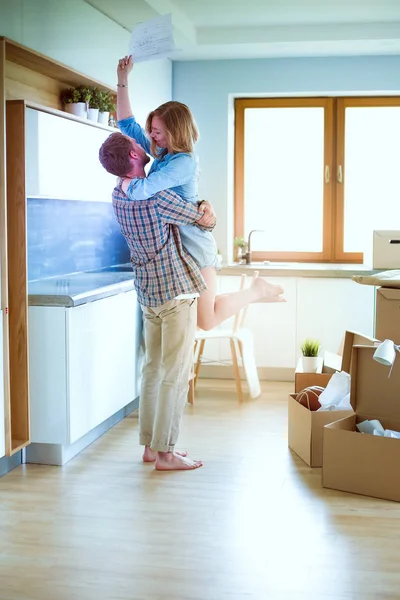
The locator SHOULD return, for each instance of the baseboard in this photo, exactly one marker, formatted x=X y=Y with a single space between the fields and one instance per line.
x=8 y=463
x=264 y=373
x=59 y=454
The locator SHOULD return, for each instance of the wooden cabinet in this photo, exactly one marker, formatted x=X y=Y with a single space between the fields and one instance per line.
x=2 y=422
x=27 y=78
x=83 y=363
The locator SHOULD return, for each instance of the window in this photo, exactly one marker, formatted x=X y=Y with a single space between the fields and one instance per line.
x=316 y=176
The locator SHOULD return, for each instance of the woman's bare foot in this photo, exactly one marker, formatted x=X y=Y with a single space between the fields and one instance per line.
x=265 y=291
x=172 y=461
x=149 y=455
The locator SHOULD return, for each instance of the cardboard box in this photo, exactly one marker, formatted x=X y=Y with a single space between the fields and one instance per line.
x=305 y=427
x=387 y=316
x=305 y=430
x=386 y=249
x=361 y=463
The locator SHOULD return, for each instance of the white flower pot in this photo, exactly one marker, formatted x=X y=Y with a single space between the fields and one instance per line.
x=103 y=117
x=311 y=364
x=78 y=109
x=93 y=114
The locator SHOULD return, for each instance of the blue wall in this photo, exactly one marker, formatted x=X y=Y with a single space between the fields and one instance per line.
x=208 y=87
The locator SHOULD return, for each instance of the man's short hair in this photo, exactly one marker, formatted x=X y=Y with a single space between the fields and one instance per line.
x=114 y=154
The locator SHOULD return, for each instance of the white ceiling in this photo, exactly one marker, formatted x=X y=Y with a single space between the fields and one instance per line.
x=215 y=29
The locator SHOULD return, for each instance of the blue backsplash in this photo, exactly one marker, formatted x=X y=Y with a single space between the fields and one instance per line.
x=68 y=236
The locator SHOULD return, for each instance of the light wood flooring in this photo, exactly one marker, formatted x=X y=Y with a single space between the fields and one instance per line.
x=253 y=523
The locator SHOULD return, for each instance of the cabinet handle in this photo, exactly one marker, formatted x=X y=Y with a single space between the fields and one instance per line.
x=327 y=174
x=339 y=174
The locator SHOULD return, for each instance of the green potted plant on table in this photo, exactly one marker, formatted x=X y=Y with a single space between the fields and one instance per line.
x=311 y=361
x=241 y=245
x=76 y=100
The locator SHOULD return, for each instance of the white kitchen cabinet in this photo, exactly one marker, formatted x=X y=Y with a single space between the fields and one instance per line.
x=82 y=364
x=55 y=169
x=273 y=326
x=101 y=367
x=316 y=307
x=327 y=307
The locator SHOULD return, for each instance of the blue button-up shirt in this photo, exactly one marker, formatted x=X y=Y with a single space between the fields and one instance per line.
x=178 y=173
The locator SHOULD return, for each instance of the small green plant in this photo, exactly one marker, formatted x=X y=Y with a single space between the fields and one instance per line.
x=106 y=102
x=310 y=347
x=70 y=95
x=240 y=242
x=80 y=93
x=95 y=99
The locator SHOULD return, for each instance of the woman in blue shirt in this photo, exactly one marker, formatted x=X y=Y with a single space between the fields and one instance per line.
x=170 y=135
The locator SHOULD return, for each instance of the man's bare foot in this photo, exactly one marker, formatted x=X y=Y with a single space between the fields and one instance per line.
x=265 y=291
x=172 y=461
x=149 y=455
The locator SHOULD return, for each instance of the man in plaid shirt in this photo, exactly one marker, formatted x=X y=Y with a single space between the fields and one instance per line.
x=168 y=282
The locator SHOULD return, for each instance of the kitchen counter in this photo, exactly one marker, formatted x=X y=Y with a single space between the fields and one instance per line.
x=298 y=269
x=79 y=288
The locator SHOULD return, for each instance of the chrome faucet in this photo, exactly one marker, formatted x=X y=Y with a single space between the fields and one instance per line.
x=247 y=256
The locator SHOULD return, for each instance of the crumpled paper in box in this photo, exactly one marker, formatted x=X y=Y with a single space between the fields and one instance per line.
x=336 y=395
x=375 y=427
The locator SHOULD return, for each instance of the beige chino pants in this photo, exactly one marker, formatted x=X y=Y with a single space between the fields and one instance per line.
x=169 y=332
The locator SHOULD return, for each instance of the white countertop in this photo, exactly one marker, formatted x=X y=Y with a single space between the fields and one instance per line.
x=78 y=288
x=293 y=269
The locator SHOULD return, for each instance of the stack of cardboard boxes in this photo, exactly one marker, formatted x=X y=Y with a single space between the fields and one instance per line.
x=362 y=463
x=306 y=427
x=352 y=461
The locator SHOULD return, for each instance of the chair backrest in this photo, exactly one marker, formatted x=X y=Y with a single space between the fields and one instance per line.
x=241 y=315
x=237 y=323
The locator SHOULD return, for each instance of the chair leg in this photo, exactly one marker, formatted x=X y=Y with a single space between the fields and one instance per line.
x=240 y=350
x=198 y=362
x=236 y=370
x=249 y=362
x=190 y=397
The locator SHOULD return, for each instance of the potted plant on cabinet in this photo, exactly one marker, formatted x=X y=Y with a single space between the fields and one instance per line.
x=106 y=105
x=76 y=100
x=94 y=105
x=310 y=359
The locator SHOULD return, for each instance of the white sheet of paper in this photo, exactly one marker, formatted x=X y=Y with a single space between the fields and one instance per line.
x=152 y=39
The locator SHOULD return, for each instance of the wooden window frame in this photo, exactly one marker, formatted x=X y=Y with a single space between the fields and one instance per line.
x=342 y=104
x=334 y=158
x=241 y=104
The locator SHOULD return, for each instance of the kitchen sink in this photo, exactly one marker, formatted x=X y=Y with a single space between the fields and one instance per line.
x=116 y=269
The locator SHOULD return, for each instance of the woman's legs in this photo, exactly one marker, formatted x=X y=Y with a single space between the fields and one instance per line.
x=213 y=309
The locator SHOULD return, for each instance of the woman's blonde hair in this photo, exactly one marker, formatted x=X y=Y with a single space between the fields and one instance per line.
x=180 y=128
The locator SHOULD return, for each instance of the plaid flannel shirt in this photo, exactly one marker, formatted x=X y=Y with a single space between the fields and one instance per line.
x=163 y=269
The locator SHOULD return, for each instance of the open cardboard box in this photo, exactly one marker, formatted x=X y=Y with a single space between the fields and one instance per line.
x=362 y=463
x=305 y=427
x=387 y=317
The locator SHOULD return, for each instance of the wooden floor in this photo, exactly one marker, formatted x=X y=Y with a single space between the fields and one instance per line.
x=254 y=522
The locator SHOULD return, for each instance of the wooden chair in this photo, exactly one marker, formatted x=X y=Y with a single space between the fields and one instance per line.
x=242 y=352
